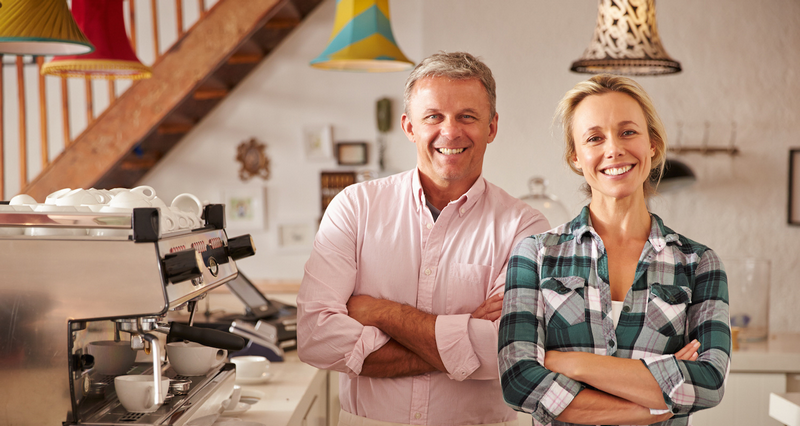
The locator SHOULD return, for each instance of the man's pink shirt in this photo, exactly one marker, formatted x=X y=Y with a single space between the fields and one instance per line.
x=378 y=238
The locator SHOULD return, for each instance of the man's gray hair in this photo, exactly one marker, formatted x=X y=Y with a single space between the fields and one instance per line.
x=455 y=66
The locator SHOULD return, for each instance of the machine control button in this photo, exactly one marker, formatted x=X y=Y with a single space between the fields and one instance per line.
x=213 y=266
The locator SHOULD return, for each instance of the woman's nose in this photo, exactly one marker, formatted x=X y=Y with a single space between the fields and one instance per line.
x=614 y=147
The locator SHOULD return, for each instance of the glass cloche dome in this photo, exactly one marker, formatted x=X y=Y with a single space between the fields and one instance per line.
x=548 y=204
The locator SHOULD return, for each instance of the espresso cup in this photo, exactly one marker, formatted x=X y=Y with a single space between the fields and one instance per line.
x=137 y=392
x=250 y=366
x=194 y=359
x=111 y=358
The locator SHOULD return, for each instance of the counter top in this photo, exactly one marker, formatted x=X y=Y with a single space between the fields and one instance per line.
x=283 y=393
x=779 y=353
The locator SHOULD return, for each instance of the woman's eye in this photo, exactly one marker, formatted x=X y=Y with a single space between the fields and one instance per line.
x=593 y=139
x=629 y=132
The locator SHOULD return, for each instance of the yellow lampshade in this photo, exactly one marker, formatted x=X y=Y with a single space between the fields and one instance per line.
x=362 y=39
x=40 y=27
x=626 y=41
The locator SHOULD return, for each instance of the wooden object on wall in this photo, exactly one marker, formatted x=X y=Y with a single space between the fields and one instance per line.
x=332 y=183
x=253 y=159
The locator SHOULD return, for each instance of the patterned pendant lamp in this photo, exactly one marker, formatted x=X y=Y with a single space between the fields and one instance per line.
x=362 y=39
x=626 y=41
x=104 y=24
x=40 y=27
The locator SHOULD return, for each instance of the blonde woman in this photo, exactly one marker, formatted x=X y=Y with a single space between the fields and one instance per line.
x=613 y=318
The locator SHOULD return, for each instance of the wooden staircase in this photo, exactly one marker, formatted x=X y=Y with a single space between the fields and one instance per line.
x=152 y=116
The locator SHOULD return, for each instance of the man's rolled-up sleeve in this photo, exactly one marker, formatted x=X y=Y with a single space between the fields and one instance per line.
x=327 y=337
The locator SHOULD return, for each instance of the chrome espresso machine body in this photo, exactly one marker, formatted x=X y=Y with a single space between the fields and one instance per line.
x=58 y=293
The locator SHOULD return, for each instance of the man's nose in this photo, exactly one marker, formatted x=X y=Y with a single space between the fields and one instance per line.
x=451 y=128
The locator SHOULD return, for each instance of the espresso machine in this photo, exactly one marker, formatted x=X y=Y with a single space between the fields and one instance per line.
x=67 y=287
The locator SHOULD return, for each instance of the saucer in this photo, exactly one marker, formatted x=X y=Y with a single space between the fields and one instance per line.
x=253 y=380
x=240 y=408
x=251 y=396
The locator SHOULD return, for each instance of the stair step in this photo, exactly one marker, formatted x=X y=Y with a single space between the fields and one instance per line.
x=281 y=23
x=245 y=58
x=174 y=128
x=203 y=94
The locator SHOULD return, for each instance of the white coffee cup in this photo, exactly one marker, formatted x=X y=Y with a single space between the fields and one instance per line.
x=168 y=219
x=194 y=359
x=79 y=197
x=111 y=358
x=127 y=199
x=188 y=203
x=250 y=366
x=54 y=196
x=137 y=392
x=22 y=199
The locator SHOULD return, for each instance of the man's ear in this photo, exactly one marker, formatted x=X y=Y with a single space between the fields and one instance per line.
x=408 y=128
x=493 y=128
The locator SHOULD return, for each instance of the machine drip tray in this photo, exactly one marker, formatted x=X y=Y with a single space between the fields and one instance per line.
x=204 y=398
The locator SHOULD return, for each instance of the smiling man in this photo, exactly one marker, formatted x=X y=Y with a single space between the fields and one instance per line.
x=403 y=289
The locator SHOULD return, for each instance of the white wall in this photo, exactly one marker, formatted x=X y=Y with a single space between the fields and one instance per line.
x=739 y=61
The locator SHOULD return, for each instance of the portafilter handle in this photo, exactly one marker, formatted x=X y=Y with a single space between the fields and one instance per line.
x=206 y=336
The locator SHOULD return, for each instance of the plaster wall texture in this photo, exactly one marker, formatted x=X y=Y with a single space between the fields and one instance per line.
x=739 y=59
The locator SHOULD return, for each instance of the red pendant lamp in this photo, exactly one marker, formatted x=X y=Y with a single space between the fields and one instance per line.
x=104 y=25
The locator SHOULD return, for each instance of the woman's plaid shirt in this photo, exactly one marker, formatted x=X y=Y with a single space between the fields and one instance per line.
x=558 y=297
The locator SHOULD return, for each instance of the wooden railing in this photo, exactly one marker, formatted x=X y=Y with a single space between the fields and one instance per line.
x=80 y=106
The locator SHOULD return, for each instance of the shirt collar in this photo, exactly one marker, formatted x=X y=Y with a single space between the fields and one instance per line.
x=659 y=236
x=466 y=201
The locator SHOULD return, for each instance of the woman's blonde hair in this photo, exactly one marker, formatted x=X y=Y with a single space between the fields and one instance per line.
x=606 y=83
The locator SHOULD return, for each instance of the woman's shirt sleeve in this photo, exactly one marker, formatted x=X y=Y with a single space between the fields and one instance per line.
x=527 y=385
x=689 y=386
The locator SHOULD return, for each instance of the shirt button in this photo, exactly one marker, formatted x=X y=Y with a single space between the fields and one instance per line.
x=462 y=210
x=417 y=416
x=427 y=271
x=626 y=309
x=430 y=226
x=611 y=343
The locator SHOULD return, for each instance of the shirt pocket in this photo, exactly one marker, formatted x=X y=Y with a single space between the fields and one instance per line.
x=564 y=299
x=666 y=309
x=467 y=287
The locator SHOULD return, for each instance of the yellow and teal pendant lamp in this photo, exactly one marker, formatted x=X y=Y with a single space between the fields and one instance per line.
x=362 y=40
x=40 y=27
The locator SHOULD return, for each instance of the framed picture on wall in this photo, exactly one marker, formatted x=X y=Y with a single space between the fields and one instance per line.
x=244 y=208
x=351 y=153
x=318 y=142
x=794 y=187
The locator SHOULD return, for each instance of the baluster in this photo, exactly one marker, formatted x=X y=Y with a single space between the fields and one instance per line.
x=179 y=16
x=154 y=10
x=89 y=102
x=201 y=5
x=112 y=92
x=2 y=145
x=23 y=141
x=43 y=112
x=65 y=111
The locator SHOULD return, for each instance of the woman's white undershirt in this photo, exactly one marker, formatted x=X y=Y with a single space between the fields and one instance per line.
x=616 y=311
